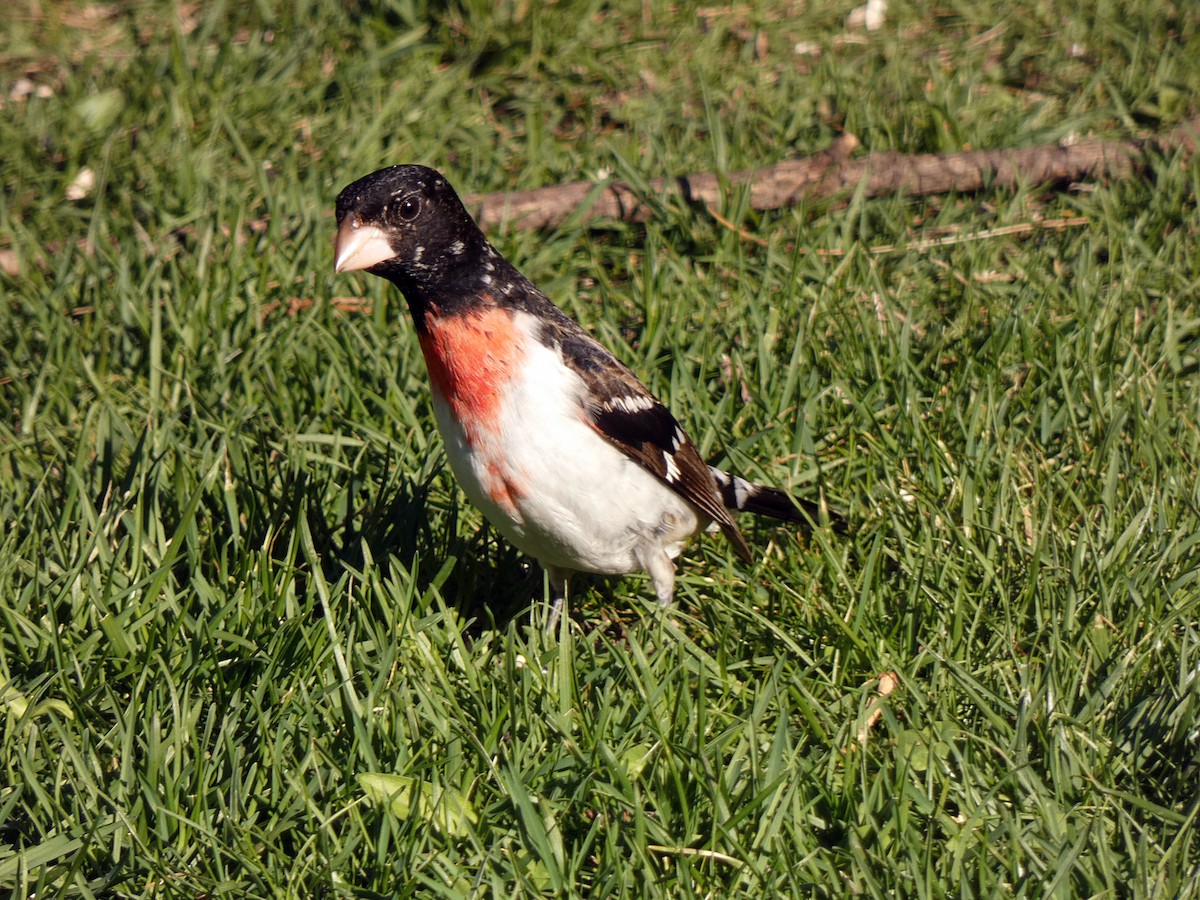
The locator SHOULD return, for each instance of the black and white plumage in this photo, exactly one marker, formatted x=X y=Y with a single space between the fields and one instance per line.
x=560 y=445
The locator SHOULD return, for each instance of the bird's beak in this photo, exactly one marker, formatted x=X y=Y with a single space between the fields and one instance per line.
x=359 y=246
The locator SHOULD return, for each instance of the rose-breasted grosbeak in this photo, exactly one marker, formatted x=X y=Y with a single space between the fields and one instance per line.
x=558 y=443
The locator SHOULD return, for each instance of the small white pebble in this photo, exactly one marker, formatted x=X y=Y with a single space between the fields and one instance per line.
x=81 y=185
x=871 y=17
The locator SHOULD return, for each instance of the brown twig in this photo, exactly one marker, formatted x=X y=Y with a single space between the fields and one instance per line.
x=833 y=173
x=740 y=232
x=949 y=239
x=296 y=305
x=888 y=681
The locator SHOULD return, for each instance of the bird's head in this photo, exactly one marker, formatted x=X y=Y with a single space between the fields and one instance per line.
x=406 y=224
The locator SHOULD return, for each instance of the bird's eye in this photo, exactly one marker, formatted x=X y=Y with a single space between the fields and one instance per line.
x=409 y=207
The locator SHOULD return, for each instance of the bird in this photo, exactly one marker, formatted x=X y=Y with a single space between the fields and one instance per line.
x=554 y=439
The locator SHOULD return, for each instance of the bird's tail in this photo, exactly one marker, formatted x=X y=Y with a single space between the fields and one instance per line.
x=746 y=496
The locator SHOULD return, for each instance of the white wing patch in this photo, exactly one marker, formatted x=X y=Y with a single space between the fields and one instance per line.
x=631 y=404
x=742 y=491
x=672 y=473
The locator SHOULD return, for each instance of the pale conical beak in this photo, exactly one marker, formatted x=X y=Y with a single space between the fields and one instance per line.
x=359 y=246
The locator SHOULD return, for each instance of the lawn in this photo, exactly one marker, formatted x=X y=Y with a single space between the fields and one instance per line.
x=254 y=642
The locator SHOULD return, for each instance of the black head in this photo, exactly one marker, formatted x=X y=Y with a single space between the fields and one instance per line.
x=406 y=224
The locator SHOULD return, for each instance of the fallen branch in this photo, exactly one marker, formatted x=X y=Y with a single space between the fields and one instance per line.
x=832 y=173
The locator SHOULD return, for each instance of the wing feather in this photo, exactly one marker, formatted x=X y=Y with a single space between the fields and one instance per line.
x=625 y=413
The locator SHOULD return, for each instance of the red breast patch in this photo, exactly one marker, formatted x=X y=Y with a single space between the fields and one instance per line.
x=471 y=358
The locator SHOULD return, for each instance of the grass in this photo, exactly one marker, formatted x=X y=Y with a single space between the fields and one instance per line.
x=253 y=642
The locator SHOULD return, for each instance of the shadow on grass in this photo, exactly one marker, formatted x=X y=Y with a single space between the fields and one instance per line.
x=1158 y=744
x=403 y=528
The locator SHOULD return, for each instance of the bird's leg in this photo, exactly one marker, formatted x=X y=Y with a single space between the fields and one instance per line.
x=661 y=570
x=558 y=590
